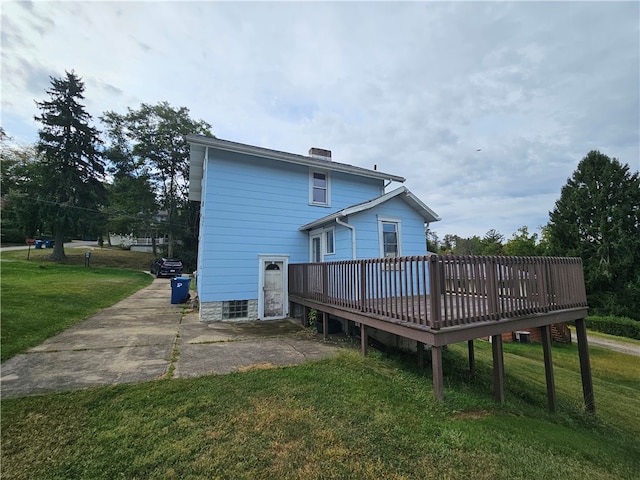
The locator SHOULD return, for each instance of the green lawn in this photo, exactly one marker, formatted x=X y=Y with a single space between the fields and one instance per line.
x=347 y=417
x=40 y=299
x=100 y=257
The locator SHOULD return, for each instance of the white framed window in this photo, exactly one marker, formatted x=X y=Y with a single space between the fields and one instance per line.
x=329 y=241
x=322 y=242
x=316 y=248
x=390 y=237
x=319 y=188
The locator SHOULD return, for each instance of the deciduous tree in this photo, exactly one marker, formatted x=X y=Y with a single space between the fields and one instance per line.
x=20 y=173
x=522 y=244
x=151 y=139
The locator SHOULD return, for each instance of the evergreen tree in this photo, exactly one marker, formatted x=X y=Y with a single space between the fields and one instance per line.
x=71 y=191
x=597 y=218
x=491 y=244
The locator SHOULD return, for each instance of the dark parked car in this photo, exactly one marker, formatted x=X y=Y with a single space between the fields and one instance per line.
x=166 y=267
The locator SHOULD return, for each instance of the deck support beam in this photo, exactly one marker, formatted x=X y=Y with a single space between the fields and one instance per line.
x=548 y=367
x=585 y=366
x=472 y=357
x=364 y=340
x=436 y=366
x=498 y=368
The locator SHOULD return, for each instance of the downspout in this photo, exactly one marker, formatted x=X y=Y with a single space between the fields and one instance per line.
x=353 y=236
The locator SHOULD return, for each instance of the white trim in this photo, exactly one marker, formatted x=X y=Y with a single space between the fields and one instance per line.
x=229 y=146
x=327 y=176
x=312 y=236
x=285 y=283
x=332 y=231
x=382 y=219
x=414 y=202
x=321 y=233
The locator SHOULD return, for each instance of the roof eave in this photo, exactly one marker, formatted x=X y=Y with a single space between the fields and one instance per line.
x=289 y=157
x=414 y=202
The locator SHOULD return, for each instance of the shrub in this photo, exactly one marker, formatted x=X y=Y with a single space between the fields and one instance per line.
x=620 y=326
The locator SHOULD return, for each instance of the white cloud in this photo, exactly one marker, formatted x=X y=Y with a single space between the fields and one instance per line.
x=414 y=88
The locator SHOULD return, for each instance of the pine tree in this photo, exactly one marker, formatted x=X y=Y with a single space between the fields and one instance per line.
x=597 y=218
x=72 y=189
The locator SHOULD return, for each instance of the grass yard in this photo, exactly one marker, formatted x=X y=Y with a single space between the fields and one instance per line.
x=41 y=298
x=100 y=257
x=347 y=417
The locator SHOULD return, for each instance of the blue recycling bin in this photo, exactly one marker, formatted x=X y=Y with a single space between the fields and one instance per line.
x=48 y=243
x=179 y=289
x=39 y=243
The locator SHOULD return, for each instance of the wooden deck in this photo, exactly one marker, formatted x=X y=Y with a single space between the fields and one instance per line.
x=438 y=300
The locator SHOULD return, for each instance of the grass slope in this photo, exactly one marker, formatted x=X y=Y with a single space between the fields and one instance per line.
x=347 y=417
x=40 y=299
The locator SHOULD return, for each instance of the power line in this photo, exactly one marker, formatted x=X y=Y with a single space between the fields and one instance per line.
x=112 y=214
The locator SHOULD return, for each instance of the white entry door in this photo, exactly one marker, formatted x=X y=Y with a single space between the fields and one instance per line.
x=273 y=298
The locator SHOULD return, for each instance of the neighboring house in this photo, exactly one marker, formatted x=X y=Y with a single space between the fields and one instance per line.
x=143 y=240
x=262 y=209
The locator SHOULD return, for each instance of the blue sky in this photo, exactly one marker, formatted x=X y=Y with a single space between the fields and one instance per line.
x=485 y=107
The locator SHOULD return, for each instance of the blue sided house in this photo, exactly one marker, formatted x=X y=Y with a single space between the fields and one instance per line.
x=263 y=209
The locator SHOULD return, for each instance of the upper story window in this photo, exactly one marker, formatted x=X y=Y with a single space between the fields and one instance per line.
x=319 y=191
x=389 y=232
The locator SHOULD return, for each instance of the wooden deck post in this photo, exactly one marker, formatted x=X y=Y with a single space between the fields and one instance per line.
x=498 y=368
x=585 y=366
x=548 y=367
x=420 y=350
x=363 y=339
x=472 y=357
x=436 y=366
x=325 y=326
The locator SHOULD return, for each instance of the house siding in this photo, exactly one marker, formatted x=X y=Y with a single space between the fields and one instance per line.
x=412 y=229
x=253 y=206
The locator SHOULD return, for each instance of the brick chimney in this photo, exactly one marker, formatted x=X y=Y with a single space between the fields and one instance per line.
x=320 y=153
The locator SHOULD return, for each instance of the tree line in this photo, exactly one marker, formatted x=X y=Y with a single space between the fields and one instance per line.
x=596 y=218
x=521 y=243
x=78 y=181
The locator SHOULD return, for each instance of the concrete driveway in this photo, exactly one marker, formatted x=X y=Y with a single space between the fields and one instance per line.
x=141 y=337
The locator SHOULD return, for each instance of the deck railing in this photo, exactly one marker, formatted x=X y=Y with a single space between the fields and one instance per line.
x=440 y=291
